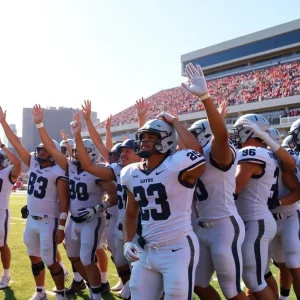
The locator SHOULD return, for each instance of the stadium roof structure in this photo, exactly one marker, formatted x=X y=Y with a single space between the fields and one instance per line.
x=270 y=42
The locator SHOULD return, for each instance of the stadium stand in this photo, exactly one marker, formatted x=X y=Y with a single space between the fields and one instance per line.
x=278 y=81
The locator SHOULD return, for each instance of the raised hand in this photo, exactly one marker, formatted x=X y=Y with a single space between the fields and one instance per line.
x=76 y=126
x=2 y=115
x=197 y=83
x=86 y=109
x=37 y=114
x=223 y=110
x=247 y=124
x=141 y=107
x=63 y=135
x=108 y=122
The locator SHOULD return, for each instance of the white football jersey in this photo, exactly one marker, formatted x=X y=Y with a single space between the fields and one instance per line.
x=252 y=200
x=214 y=192
x=5 y=187
x=165 y=202
x=283 y=191
x=121 y=192
x=84 y=189
x=42 y=197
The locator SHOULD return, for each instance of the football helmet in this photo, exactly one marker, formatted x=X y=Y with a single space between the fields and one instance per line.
x=295 y=133
x=41 y=146
x=63 y=146
x=167 y=142
x=91 y=150
x=288 y=142
x=4 y=161
x=114 y=154
x=275 y=135
x=201 y=130
x=242 y=135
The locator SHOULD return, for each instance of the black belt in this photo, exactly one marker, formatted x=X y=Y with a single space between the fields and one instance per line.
x=38 y=218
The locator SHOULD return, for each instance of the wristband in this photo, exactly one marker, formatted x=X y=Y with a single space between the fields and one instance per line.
x=2 y=146
x=205 y=96
x=61 y=227
x=63 y=216
x=40 y=125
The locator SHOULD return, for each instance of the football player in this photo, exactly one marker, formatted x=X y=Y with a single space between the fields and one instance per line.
x=125 y=155
x=221 y=231
x=162 y=188
x=86 y=191
x=112 y=172
x=257 y=186
x=47 y=216
x=10 y=169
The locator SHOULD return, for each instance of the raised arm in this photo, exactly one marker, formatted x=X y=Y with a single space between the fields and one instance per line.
x=220 y=149
x=14 y=140
x=185 y=136
x=64 y=137
x=141 y=107
x=86 y=163
x=108 y=140
x=95 y=137
x=58 y=157
x=16 y=168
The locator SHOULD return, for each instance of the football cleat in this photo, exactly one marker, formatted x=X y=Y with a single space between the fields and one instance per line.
x=39 y=296
x=118 y=286
x=4 y=282
x=75 y=286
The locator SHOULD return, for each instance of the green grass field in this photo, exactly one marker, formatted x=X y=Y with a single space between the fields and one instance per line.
x=22 y=284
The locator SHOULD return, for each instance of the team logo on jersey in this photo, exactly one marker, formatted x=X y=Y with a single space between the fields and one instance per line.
x=135 y=176
x=157 y=173
x=147 y=180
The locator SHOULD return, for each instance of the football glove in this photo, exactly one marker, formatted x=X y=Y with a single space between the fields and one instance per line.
x=129 y=249
x=86 y=213
x=24 y=212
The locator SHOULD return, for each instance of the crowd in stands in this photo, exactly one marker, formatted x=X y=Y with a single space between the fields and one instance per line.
x=282 y=80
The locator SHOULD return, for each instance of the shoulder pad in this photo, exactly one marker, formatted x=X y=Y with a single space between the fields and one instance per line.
x=184 y=159
x=255 y=155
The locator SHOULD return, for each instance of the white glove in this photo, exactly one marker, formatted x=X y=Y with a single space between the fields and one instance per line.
x=129 y=249
x=86 y=213
x=168 y=117
x=197 y=83
x=125 y=293
x=260 y=133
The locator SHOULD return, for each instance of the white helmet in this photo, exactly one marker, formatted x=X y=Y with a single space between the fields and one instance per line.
x=295 y=133
x=288 y=142
x=70 y=142
x=275 y=135
x=201 y=130
x=167 y=142
x=63 y=145
x=41 y=146
x=4 y=161
x=241 y=134
x=91 y=150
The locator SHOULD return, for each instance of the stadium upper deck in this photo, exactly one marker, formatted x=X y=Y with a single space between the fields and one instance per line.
x=246 y=71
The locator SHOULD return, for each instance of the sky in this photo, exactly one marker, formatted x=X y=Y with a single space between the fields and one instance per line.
x=60 y=52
